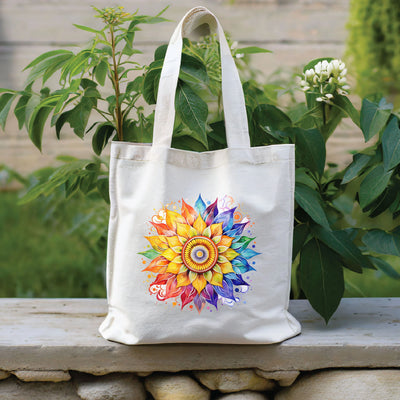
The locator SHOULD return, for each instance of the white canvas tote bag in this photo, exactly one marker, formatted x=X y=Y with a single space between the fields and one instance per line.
x=200 y=244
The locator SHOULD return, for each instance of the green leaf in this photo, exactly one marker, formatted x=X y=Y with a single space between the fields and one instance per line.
x=310 y=201
x=36 y=125
x=382 y=242
x=385 y=267
x=102 y=136
x=135 y=85
x=373 y=117
x=374 y=183
x=360 y=161
x=6 y=100
x=138 y=131
x=193 y=111
x=150 y=83
x=103 y=188
x=56 y=64
x=344 y=104
x=150 y=254
x=252 y=50
x=217 y=136
x=310 y=149
x=19 y=110
x=88 y=29
x=187 y=142
x=391 y=144
x=271 y=120
x=300 y=234
x=321 y=278
x=46 y=55
x=340 y=242
x=302 y=176
x=100 y=72
x=192 y=70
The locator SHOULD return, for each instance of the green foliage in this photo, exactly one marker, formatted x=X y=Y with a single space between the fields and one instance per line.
x=328 y=241
x=373 y=45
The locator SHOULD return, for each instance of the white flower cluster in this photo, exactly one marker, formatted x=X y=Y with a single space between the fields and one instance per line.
x=326 y=78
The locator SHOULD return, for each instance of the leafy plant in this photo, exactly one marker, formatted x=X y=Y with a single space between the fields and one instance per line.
x=328 y=236
x=373 y=45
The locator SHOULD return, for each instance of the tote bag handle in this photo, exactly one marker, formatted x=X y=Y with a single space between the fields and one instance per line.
x=237 y=132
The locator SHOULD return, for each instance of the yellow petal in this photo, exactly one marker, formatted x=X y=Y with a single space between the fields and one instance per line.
x=177 y=260
x=216 y=279
x=192 y=232
x=216 y=229
x=172 y=218
x=174 y=268
x=200 y=283
x=226 y=268
x=183 y=230
x=230 y=254
x=222 y=259
x=173 y=241
x=221 y=249
x=158 y=243
x=169 y=254
x=208 y=276
x=225 y=241
x=182 y=279
x=199 y=225
x=216 y=239
x=192 y=276
x=207 y=232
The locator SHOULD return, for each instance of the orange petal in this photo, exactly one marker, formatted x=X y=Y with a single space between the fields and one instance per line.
x=225 y=241
x=158 y=243
x=226 y=267
x=216 y=229
x=183 y=230
x=199 y=225
x=183 y=279
x=188 y=212
x=172 y=218
x=199 y=283
x=169 y=254
x=173 y=241
x=163 y=229
x=216 y=279
x=174 y=268
x=157 y=264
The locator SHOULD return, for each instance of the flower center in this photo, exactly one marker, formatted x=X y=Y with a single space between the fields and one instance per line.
x=199 y=254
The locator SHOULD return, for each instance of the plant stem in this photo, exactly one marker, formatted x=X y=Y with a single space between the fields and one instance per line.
x=118 y=114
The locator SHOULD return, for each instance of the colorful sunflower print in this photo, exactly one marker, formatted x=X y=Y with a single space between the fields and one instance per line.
x=200 y=255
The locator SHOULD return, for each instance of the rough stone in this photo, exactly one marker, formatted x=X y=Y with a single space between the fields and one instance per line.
x=284 y=378
x=42 y=376
x=110 y=387
x=4 y=375
x=227 y=381
x=12 y=389
x=175 y=387
x=246 y=395
x=345 y=385
x=143 y=373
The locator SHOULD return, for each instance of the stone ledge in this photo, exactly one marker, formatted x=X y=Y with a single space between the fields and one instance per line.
x=61 y=334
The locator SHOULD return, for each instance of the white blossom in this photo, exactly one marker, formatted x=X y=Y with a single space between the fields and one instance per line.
x=326 y=79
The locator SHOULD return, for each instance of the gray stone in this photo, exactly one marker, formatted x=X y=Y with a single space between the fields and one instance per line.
x=227 y=381
x=284 y=378
x=12 y=389
x=175 y=387
x=42 y=376
x=111 y=387
x=345 y=385
x=4 y=375
x=246 y=395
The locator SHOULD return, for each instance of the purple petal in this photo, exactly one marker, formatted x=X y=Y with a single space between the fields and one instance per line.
x=236 y=230
x=226 y=218
x=209 y=294
x=199 y=303
x=238 y=280
x=210 y=213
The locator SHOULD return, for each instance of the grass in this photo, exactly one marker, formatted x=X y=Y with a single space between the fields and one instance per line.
x=38 y=258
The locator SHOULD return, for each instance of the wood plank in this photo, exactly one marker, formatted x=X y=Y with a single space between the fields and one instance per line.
x=51 y=21
x=61 y=334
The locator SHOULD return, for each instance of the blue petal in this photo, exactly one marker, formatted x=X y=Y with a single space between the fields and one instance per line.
x=226 y=218
x=248 y=253
x=237 y=229
x=239 y=280
x=241 y=266
x=226 y=290
x=200 y=206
